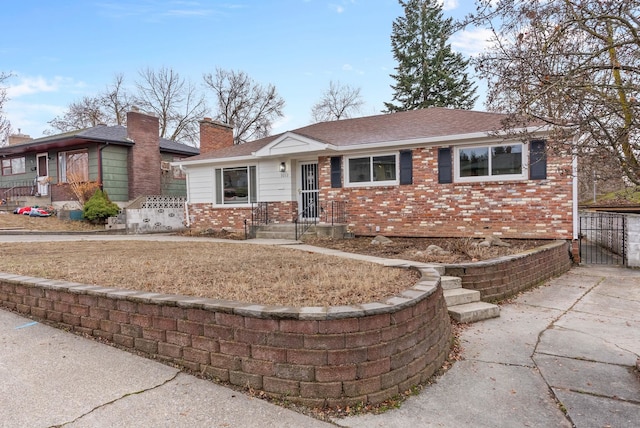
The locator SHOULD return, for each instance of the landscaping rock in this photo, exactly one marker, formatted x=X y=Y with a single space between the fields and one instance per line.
x=493 y=241
x=381 y=240
x=435 y=250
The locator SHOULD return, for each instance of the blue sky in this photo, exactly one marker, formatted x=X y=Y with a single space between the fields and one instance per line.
x=61 y=51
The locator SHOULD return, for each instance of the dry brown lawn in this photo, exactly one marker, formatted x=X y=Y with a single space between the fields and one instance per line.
x=247 y=273
x=9 y=221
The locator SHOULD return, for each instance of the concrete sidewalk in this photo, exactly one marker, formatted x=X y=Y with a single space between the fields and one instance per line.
x=569 y=346
x=49 y=377
x=576 y=340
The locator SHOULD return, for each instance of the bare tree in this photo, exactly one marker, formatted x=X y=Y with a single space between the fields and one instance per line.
x=107 y=108
x=85 y=113
x=5 y=126
x=337 y=102
x=571 y=64
x=116 y=100
x=244 y=104
x=174 y=100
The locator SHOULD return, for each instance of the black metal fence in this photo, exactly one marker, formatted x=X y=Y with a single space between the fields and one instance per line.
x=603 y=238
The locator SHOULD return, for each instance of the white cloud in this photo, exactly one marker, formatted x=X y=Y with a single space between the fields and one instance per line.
x=32 y=118
x=449 y=4
x=471 y=42
x=33 y=85
x=35 y=100
x=337 y=8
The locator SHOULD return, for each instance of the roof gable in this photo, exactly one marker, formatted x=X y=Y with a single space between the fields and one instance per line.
x=291 y=143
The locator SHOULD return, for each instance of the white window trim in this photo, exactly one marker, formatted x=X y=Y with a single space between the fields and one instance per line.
x=237 y=205
x=504 y=177
x=345 y=171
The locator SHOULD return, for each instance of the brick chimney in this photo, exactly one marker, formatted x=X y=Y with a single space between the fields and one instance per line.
x=144 y=158
x=214 y=135
x=19 y=138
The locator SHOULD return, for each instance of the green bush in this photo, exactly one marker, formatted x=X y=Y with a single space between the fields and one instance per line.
x=98 y=208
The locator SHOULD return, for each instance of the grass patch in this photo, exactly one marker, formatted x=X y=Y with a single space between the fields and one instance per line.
x=247 y=273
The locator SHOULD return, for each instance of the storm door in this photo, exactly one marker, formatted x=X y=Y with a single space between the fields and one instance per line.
x=309 y=190
x=42 y=170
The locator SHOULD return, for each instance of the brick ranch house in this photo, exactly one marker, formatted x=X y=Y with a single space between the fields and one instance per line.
x=127 y=162
x=427 y=173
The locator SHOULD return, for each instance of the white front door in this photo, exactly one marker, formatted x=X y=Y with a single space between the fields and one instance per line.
x=308 y=190
x=42 y=171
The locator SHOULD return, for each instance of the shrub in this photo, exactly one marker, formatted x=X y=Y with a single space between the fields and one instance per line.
x=80 y=188
x=98 y=208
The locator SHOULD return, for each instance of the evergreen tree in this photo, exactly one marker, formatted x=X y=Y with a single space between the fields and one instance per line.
x=429 y=73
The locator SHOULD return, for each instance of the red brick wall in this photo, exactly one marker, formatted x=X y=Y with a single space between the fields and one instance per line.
x=501 y=278
x=540 y=209
x=144 y=162
x=334 y=356
x=205 y=216
x=533 y=209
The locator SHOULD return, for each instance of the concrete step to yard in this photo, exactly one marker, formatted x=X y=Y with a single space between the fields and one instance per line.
x=450 y=282
x=460 y=296
x=274 y=234
x=472 y=312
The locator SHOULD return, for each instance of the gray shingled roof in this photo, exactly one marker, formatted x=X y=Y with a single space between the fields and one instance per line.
x=113 y=134
x=393 y=128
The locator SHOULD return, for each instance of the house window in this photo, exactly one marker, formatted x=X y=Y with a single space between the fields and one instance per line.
x=14 y=166
x=73 y=166
x=377 y=170
x=178 y=173
x=236 y=185
x=494 y=162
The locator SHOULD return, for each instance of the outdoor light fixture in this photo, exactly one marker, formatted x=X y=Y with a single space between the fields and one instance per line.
x=283 y=167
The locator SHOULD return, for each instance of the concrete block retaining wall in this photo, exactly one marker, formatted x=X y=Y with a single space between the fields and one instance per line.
x=314 y=356
x=503 y=277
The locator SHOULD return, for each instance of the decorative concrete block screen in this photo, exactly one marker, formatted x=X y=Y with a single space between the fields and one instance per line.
x=315 y=356
x=156 y=214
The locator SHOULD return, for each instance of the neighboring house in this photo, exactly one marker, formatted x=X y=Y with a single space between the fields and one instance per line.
x=431 y=173
x=127 y=162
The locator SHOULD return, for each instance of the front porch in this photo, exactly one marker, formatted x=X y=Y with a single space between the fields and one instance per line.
x=20 y=193
x=321 y=218
x=275 y=220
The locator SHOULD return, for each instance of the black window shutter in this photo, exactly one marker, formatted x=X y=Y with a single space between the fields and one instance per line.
x=445 y=171
x=336 y=172
x=537 y=160
x=406 y=167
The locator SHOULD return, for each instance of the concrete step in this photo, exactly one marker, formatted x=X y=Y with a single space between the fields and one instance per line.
x=271 y=234
x=277 y=226
x=472 y=312
x=450 y=282
x=460 y=296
